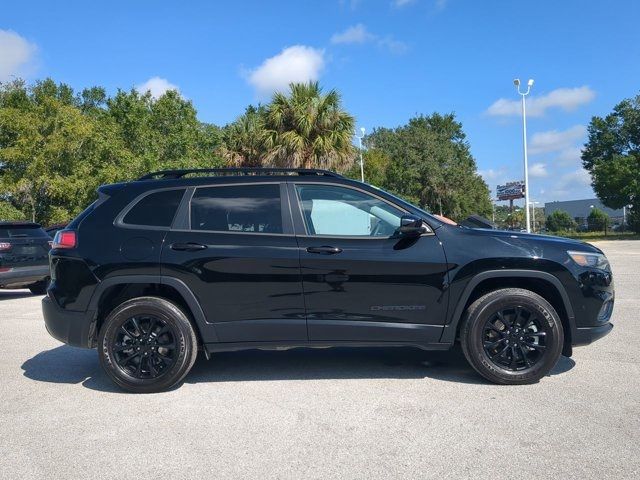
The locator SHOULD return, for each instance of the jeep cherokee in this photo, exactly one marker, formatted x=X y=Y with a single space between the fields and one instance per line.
x=231 y=259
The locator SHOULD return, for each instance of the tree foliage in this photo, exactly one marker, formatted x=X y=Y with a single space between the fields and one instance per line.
x=612 y=155
x=560 y=221
x=430 y=164
x=598 y=220
x=57 y=147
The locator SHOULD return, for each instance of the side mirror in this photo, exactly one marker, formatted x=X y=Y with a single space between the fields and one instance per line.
x=411 y=225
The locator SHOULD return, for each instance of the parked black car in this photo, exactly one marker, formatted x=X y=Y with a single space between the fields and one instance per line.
x=220 y=260
x=24 y=261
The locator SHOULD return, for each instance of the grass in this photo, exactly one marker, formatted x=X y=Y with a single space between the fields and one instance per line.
x=593 y=236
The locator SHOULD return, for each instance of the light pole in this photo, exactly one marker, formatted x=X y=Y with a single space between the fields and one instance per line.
x=516 y=82
x=360 y=137
x=533 y=207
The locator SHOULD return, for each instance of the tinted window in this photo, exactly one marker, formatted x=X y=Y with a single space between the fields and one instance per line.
x=156 y=209
x=19 y=231
x=332 y=210
x=238 y=208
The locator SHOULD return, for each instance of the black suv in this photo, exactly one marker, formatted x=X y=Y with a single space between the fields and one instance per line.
x=232 y=259
x=24 y=261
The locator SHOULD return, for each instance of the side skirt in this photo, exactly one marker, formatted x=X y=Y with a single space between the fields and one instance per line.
x=237 y=346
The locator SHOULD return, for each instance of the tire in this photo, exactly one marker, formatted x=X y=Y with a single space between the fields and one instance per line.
x=39 y=288
x=512 y=336
x=147 y=345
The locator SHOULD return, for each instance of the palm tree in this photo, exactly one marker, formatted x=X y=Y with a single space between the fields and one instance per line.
x=308 y=129
x=243 y=140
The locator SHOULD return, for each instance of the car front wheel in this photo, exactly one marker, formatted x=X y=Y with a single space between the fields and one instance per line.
x=512 y=336
x=147 y=345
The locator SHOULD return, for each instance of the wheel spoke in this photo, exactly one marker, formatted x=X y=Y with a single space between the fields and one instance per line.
x=120 y=348
x=534 y=346
x=500 y=353
x=535 y=334
x=514 y=358
x=134 y=320
x=126 y=360
x=524 y=356
x=518 y=314
x=503 y=319
x=493 y=344
x=492 y=327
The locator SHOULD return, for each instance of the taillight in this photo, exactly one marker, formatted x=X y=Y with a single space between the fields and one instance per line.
x=65 y=239
x=4 y=246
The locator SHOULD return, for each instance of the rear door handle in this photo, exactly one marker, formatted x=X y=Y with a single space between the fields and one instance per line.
x=188 y=247
x=324 y=250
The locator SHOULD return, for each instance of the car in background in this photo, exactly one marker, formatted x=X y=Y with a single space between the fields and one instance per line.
x=24 y=256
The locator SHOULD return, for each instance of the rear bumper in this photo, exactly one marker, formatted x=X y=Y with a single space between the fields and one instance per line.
x=587 y=335
x=73 y=328
x=22 y=276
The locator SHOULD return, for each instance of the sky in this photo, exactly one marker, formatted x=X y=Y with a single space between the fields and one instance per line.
x=390 y=60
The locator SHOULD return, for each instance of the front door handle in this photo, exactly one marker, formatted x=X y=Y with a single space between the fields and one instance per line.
x=324 y=250
x=187 y=247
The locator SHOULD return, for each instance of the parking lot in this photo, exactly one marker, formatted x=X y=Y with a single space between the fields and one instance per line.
x=341 y=413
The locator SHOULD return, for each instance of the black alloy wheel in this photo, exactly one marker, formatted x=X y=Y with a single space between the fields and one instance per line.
x=145 y=347
x=514 y=338
x=147 y=344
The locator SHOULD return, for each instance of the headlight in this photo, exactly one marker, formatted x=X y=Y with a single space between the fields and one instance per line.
x=590 y=259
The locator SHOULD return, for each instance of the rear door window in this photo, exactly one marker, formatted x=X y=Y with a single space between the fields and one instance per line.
x=237 y=208
x=156 y=209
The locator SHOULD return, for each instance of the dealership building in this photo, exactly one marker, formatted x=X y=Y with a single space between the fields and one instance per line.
x=579 y=210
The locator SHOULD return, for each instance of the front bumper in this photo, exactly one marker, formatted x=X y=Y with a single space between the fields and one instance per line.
x=587 y=335
x=73 y=328
x=22 y=276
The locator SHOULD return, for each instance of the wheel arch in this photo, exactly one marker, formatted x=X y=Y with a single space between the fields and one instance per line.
x=544 y=284
x=115 y=290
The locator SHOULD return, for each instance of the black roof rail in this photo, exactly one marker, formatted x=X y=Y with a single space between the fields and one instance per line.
x=173 y=174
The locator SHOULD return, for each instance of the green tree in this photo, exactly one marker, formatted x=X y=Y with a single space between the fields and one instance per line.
x=431 y=165
x=598 y=220
x=57 y=147
x=612 y=155
x=376 y=164
x=560 y=221
x=243 y=141
x=308 y=129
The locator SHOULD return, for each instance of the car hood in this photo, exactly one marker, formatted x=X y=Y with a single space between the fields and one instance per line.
x=534 y=239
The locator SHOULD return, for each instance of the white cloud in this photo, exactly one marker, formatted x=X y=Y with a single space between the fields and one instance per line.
x=493 y=174
x=554 y=140
x=538 y=170
x=356 y=34
x=157 y=86
x=578 y=177
x=570 y=156
x=16 y=55
x=566 y=99
x=294 y=64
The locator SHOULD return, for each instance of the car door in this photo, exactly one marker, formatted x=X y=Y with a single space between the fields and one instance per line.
x=237 y=252
x=363 y=281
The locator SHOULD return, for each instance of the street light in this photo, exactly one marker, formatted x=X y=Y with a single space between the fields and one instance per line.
x=360 y=137
x=516 y=82
x=533 y=205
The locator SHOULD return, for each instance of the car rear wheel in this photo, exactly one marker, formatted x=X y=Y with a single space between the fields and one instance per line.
x=512 y=336
x=147 y=345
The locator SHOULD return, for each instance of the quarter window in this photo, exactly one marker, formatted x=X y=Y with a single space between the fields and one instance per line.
x=340 y=211
x=237 y=208
x=156 y=209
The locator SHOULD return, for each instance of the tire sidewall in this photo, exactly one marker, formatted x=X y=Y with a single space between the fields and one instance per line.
x=479 y=358
x=182 y=331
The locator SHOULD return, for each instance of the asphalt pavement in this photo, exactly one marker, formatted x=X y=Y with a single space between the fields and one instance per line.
x=325 y=414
